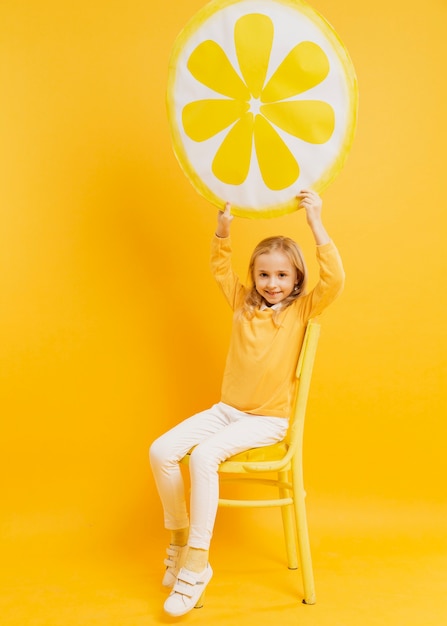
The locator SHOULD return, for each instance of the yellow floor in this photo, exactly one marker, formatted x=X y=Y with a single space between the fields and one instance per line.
x=375 y=564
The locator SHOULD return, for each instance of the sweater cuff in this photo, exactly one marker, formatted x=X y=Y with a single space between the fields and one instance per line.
x=326 y=246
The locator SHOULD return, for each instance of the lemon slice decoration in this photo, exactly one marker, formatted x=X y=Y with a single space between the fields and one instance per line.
x=262 y=102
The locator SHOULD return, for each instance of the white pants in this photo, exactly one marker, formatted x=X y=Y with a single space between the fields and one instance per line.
x=217 y=433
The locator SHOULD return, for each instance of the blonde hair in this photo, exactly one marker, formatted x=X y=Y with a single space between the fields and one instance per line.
x=289 y=247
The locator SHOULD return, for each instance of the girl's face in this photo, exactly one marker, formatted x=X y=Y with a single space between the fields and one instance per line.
x=274 y=276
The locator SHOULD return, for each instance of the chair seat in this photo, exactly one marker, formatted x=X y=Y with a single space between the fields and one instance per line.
x=238 y=462
x=274 y=452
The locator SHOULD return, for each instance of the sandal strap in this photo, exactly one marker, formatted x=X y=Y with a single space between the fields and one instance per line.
x=184 y=576
x=173 y=555
x=171 y=560
x=184 y=590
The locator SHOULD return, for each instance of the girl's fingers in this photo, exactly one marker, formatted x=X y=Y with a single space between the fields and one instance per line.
x=227 y=211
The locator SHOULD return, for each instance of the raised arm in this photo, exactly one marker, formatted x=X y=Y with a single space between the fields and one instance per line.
x=221 y=267
x=311 y=202
x=224 y=219
x=332 y=275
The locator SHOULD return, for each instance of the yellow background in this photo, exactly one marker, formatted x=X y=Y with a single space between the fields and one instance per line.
x=112 y=329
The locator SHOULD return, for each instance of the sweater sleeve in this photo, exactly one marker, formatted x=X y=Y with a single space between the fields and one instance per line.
x=223 y=272
x=330 y=284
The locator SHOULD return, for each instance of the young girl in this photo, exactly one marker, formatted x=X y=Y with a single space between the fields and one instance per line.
x=269 y=322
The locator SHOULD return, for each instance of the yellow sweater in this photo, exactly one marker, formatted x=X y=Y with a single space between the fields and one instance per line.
x=259 y=373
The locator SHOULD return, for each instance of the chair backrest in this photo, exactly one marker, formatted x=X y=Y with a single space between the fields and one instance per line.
x=304 y=376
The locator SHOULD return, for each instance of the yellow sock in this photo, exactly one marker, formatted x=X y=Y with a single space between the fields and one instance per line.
x=196 y=560
x=179 y=537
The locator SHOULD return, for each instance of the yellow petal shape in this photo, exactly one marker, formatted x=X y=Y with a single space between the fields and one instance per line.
x=253 y=37
x=203 y=119
x=310 y=120
x=305 y=66
x=278 y=166
x=232 y=160
x=209 y=64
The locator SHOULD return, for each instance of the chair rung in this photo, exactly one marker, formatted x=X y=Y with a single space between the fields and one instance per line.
x=270 y=482
x=256 y=503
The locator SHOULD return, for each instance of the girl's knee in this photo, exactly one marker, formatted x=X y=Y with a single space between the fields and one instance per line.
x=157 y=452
x=163 y=452
x=203 y=459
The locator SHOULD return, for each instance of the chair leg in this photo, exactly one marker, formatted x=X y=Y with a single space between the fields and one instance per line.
x=303 y=541
x=288 y=523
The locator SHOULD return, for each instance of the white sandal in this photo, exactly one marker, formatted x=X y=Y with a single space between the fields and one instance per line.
x=188 y=591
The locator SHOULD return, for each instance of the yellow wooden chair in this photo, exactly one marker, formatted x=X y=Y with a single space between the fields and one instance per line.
x=281 y=466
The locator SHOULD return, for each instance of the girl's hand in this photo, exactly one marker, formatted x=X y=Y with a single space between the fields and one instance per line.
x=312 y=203
x=224 y=219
